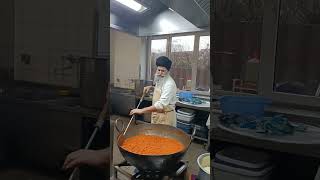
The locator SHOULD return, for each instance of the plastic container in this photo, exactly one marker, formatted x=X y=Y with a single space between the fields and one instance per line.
x=185 y=115
x=241 y=164
x=186 y=127
x=244 y=105
x=184 y=118
x=185 y=111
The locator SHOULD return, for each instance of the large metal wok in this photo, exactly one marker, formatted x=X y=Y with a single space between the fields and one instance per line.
x=154 y=163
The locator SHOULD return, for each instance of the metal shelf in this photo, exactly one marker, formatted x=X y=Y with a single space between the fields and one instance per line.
x=201 y=138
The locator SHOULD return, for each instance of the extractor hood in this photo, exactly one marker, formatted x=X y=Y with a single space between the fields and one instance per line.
x=195 y=11
x=161 y=17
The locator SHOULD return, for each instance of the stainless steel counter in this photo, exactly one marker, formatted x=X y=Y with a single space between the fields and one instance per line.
x=180 y=104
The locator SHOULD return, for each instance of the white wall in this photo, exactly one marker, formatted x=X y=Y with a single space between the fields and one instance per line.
x=125 y=56
x=48 y=30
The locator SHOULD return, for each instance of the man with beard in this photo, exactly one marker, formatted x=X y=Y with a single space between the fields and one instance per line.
x=164 y=95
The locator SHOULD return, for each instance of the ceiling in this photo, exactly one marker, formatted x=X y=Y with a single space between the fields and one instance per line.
x=187 y=16
x=154 y=7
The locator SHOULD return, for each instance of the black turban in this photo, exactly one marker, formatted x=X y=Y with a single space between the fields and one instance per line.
x=164 y=62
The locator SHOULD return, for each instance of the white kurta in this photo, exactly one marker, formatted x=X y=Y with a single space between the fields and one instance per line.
x=164 y=98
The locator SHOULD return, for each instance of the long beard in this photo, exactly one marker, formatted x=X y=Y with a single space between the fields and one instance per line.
x=158 y=80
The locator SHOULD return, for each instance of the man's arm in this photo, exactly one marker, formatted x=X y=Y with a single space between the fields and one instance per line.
x=97 y=158
x=143 y=110
x=168 y=92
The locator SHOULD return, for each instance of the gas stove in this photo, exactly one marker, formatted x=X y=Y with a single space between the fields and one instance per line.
x=125 y=171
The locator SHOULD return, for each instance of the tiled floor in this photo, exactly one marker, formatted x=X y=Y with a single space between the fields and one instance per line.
x=191 y=156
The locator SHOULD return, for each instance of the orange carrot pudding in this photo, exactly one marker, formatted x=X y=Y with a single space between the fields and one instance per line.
x=152 y=145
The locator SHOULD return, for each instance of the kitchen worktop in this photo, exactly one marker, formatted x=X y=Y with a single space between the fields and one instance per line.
x=183 y=104
x=312 y=150
x=68 y=104
x=46 y=95
x=305 y=149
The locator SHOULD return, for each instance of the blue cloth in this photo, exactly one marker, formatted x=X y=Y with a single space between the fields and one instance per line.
x=192 y=100
x=276 y=125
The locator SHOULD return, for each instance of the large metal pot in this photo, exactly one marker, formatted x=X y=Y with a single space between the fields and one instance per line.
x=160 y=163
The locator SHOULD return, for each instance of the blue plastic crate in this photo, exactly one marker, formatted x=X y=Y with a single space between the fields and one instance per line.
x=184 y=126
x=244 y=105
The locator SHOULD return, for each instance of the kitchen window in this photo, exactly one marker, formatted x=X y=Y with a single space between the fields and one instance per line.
x=273 y=45
x=237 y=41
x=203 y=72
x=158 y=48
x=190 y=55
x=182 y=57
x=297 y=52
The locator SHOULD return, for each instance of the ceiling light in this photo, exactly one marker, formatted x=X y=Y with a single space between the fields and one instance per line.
x=133 y=5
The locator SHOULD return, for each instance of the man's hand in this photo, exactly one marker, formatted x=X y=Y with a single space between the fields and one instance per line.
x=136 y=111
x=147 y=89
x=96 y=158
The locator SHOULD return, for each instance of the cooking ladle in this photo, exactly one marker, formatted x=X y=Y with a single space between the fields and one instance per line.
x=141 y=99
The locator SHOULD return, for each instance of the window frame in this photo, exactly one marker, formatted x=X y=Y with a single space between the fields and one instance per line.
x=150 y=38
x=268 y=51
x=197 y=52
x=168 y=53
x=268 y=59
